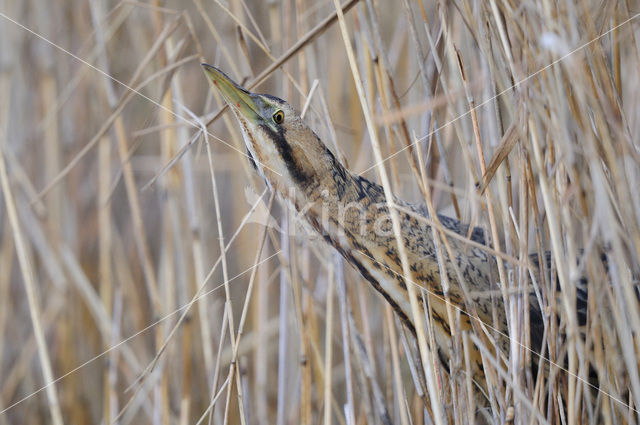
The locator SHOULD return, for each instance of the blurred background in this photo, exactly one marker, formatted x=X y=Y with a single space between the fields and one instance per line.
x=118 y=210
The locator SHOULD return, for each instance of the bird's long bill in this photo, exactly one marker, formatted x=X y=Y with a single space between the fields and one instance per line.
x=237 y=97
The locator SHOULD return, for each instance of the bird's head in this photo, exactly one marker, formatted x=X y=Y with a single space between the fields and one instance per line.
x=284 y=149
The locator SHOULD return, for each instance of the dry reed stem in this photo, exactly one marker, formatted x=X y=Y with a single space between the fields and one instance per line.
x=425 y=350
x=30 y=289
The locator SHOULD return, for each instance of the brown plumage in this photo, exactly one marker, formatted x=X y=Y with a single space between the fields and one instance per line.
x=350 y=212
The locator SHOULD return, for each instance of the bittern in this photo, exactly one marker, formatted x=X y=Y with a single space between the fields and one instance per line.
x=347 y=210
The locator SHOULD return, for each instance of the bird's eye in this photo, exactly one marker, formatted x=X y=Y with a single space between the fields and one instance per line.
x=278 y=117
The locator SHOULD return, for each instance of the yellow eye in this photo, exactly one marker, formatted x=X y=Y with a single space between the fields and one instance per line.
x=278 y=117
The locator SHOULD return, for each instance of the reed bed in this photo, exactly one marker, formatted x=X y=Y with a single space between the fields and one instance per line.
x=148 y=276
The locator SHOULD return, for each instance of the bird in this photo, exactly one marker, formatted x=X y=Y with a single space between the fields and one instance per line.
x=351 y=214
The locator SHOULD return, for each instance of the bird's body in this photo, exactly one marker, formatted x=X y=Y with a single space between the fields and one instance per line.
x=351 y=214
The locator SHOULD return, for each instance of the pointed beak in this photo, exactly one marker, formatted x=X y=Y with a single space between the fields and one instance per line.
x=237 y=97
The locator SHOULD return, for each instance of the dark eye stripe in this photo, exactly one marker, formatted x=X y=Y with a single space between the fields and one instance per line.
x=286 y=153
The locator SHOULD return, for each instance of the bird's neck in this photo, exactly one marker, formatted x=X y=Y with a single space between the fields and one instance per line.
x=335 y=201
